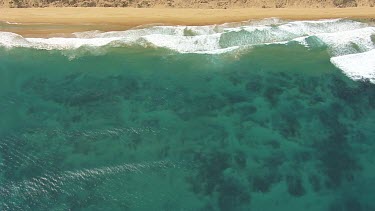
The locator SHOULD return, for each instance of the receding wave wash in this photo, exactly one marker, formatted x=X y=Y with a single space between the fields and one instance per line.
x=259 y=115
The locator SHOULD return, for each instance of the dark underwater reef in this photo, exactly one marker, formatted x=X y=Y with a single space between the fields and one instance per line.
x=169 y=134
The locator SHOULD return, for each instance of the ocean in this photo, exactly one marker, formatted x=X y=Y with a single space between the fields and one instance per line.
x=259 y=115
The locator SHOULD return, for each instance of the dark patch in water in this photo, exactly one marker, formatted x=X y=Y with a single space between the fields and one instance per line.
x=238 y=130
x=295 y=186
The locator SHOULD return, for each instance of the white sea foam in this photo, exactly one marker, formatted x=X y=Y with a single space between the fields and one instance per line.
x=9 y=40
x=11 y=23
x=67 y=43
x=348 y=42
x=357 y=66
x=340 y=36
x=185 y=44
x=193 y=39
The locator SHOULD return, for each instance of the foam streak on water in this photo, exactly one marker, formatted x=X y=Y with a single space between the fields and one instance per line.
x=150 y=119
x=340 y=36
x=54 y=183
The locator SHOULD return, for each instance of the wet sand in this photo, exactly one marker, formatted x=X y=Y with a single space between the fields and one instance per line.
x=44 y=21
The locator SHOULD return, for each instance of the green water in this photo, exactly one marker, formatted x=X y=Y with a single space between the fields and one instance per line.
x=274 y=128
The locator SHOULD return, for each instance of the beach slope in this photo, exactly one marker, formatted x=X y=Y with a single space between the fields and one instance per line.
x=131 y=17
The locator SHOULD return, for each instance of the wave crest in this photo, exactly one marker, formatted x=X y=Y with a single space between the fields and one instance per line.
x=340 y=36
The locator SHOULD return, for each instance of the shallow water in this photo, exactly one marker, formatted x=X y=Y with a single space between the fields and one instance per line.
x=274 y=127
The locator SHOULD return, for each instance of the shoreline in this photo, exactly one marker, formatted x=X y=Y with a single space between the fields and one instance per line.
x=45 y=21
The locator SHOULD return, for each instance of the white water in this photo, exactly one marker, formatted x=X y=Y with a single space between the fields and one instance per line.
x=346 y=40
x=357 y=66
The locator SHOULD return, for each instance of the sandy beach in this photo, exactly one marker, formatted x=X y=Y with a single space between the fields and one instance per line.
x=51 y=20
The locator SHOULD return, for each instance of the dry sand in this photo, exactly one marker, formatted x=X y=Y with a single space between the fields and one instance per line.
x=42 y=21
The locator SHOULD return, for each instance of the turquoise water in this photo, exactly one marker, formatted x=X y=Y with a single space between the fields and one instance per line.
x=275 y=127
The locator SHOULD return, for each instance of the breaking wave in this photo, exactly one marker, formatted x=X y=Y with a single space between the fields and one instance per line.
x=346 y=40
